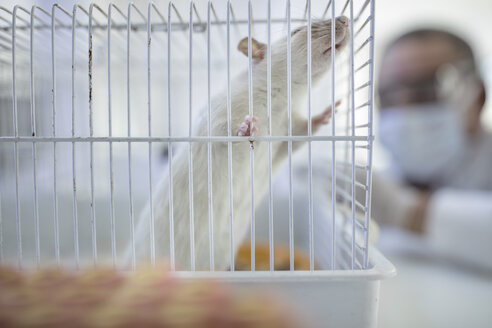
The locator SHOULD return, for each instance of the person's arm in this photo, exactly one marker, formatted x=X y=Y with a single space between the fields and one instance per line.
x=416 y=218
x=456 y=224
x=395 y=204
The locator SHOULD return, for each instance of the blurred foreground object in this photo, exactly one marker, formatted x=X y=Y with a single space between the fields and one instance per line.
x=147 y=298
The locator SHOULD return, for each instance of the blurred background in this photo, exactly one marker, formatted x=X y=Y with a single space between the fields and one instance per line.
x=430 y=290
x=468 y=19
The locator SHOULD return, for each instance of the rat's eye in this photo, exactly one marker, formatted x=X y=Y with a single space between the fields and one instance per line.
x=295 y=31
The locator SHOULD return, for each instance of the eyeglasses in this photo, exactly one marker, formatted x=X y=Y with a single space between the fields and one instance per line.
x=408 y=92
x=436 y=86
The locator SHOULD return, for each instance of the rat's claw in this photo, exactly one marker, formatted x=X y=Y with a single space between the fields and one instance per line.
x=247 y=119
x=245 y=127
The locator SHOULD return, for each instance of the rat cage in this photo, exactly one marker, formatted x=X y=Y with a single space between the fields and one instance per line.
x=98 y=100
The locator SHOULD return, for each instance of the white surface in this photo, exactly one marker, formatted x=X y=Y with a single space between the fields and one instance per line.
x=431 y=292
x=459 y=225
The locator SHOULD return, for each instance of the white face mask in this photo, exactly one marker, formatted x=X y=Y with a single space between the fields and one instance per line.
x=422 y=139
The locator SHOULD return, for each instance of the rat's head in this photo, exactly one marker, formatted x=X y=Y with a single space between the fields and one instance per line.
x=321 y=49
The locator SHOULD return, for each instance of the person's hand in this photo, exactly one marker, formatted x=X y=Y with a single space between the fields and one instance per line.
x=415 y=220
x=395 y=203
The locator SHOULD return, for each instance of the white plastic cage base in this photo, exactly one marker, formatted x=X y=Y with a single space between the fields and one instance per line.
x=325 y=298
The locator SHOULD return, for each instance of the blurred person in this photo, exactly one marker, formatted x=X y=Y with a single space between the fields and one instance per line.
x=439 y=183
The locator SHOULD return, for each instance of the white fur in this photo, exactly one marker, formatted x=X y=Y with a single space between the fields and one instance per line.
x=321 y=41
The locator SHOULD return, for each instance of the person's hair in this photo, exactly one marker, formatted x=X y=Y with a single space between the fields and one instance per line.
x=463 y=49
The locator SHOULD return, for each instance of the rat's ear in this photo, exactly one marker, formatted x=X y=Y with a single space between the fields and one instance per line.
x=258 y=49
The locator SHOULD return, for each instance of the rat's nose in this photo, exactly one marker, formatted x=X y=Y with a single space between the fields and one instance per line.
x=344 y=20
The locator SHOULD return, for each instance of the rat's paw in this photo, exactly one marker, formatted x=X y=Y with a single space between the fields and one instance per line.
x=245 y=127
x=325 y=117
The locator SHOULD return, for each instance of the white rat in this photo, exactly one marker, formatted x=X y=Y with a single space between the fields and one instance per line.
x=241 y=126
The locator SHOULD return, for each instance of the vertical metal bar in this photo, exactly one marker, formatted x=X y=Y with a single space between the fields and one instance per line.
x=55 y=196
x=305 y=10
x=347 y=152
x=209 y=148
x=310 y=169
x=289 y=113
x=310 y=161
x=333 y=146
x=16 y=145
x=219 y=22
x=352 y=107
x=190 y=155
x=269 y=108
x=367 y=218
x=251 y=154
x=149 y=117
x=130 y=194
x=229 y=144
x=170 y=145
x=236 y=25
x=149 y=38
x=110 y=132
x=91 y=129
x=74 y=179
x=347 y=131
x=326 y=10
x=34 y=145
x=345 y=185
